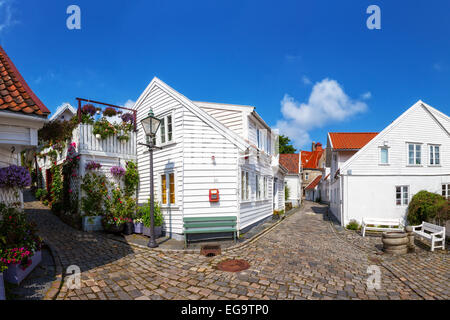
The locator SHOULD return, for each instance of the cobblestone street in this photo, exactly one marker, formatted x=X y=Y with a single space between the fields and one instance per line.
x=304 y=257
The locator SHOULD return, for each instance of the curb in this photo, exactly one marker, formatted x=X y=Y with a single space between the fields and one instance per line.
x=229 y=249
x=56 y=285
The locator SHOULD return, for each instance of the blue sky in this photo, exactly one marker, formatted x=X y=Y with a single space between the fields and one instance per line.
x=309 y=67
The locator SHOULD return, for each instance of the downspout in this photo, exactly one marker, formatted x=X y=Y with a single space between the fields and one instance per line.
x=342 y=200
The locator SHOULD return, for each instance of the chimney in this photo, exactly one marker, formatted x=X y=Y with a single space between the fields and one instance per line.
x=313 y=146
x=318 y=146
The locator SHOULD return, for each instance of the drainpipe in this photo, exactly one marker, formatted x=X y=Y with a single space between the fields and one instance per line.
x=342 y=200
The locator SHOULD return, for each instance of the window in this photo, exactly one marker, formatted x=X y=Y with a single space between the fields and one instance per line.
x=414 y=154
x=434 y=155
x=258 y=138
x=168 y=188
x=258 y=187
x=269 y=144
x=244 y=185
x=306 y=176
x=384 y=155
x=446 y=191
x=265 y=187
x=166 y=129
x=401 y=195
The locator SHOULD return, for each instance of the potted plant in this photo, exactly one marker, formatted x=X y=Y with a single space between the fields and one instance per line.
x=113 y=224
x=128 y=227
x=158 y=219
x=95 y=189
x=138 y=225
x=109 y=112
x=3 y=268
x=20 y=246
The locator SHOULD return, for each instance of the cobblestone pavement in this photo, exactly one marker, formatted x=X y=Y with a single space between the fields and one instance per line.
x=302 y=258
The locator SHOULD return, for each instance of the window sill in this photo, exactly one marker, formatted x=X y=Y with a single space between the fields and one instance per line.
x=414 y=165
x=170 y=207
x=384 y=164
x=434 y=165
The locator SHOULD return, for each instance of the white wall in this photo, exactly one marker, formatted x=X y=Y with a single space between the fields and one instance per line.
x=294 y=184
x=374 y=197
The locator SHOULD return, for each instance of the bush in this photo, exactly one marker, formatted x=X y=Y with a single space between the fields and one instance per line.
x=144 y=211
x=353 y=225
x=429 y=207
x=41 y=194
x=287 y=193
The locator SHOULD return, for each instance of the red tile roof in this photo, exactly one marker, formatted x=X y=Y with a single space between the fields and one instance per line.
x=313 y=183
x=350 y=140
x=290 y=162
x=310 y=159
x=15 y=94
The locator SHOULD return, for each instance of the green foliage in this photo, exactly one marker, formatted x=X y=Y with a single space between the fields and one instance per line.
x=57 y=185
x=285 y=145
x=95 y=187
x=131 y=179
x=41 y=194
x=104 y=128
x=144 y=211
x=54 y=132
x=429 y=207
x=287 y=192
x=353 y=225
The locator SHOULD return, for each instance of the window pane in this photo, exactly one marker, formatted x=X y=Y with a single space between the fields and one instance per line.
x=418 y=154
x=247 y=186
x=163 y=189
x=436 y=155
x=163 y=131
x=384 y=155
x=443 y=190
x=431 y=155
x=172 y=187
x=257 y=187
x=169 y=128
x=242 y=185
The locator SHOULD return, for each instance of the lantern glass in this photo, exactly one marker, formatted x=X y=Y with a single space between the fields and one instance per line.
x=150 y=124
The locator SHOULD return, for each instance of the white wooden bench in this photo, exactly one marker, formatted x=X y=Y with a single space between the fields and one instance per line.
x=432 y=232
x=387 y=225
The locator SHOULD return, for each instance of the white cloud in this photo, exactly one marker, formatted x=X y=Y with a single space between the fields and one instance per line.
x=366 y=95
x=129 y=104
x=327 y=103
x=6 y=15
x=306 y=80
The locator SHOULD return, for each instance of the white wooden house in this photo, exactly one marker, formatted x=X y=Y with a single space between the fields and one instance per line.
x=378 y=180
x=293 y=178
x=22 y=114
x=64 y=112
x=208 y=146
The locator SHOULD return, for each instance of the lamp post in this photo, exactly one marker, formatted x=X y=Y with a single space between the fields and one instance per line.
x=151 y=125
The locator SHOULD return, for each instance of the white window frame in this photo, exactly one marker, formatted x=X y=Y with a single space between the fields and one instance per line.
x=380 y=162
x=258 y=187
x=402 y=196
x=167 y=174
x=446 y=190
x=414 y=164
x=245 y=193
x=432 y=155
x=306 y=176
x=166 y=129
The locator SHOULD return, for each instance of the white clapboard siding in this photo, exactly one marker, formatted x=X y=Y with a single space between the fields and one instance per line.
x=229 y=118
x=11 y=197
x=169 y=159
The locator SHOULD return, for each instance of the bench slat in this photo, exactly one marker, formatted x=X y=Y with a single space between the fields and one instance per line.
x=209 y=224
x=205 y=219
x=210 y=230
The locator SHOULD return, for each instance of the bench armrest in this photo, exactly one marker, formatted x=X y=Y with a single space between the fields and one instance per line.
x=417 y=227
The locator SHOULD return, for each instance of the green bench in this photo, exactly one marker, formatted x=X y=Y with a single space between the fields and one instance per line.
x=209 y=225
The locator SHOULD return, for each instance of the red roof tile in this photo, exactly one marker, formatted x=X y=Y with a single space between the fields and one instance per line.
x=350 y=140
x=310 y=159
x=290 y=162
x=15 y=94
x=313 y=183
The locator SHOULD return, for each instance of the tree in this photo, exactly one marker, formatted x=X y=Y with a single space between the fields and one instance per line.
x=285 y=145
x=429 y=207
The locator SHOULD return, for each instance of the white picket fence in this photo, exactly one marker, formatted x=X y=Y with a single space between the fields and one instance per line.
x=109 y=146
x=10 y=196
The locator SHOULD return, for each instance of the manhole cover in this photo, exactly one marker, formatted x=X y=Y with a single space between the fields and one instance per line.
x=210 y=250
x=234 y=265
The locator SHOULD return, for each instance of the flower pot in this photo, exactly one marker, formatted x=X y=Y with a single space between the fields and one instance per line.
x=114 y=228
x=123 y=141
x=14 y=274
x=92 y=223
x=98 y=136
x=128 y=228
x=138 y=227
x=2 y=288
x=146 y=231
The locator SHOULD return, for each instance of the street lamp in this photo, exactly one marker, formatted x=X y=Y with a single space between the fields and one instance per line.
x=151 y=125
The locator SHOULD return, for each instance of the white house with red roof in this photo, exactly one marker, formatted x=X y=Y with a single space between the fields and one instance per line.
x=375 y=175
x=312 y=164
x=22 y=114
x=293 y=178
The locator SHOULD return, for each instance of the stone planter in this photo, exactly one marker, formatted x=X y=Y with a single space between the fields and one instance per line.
x=114 y=229
x=395 y=242
x=92 y=223
x=2 y=288
x=128 y=228
x=15 y=274
x=158 y=232
x=138 y=227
